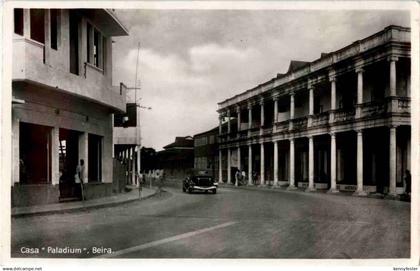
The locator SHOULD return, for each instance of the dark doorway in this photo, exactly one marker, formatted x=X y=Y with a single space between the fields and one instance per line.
x=95 y=158
x=35 y=154
x=69 y=156
x=37 y=24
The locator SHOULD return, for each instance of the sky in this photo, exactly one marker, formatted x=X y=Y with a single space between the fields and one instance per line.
x=190 y=60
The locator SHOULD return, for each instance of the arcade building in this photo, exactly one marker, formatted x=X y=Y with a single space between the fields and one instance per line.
x=339 y=123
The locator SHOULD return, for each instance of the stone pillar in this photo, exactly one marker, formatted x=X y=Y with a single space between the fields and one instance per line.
x=220 y=124
x=249 y=116
x=229 y=181
x=262 y=112
x=392 y=161
x=138 y=165
x=333 y=172
x=83 y=153
x=276 y=163
x=239 y=163
x=55 y=156
x=220 y=166
x=276 y=109
x=292 y=110
x=262 y=164
x=333 y=98
x=392 y=76
x=249 y=164
x=228 y=123
x=311 y=105
x=238 y=111
x=359 y=190
x=359 y=72
x=311 y=186
x=292 y=165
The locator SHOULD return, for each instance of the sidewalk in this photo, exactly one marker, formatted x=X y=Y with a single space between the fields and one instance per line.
x=283 y=188
x=133 y=195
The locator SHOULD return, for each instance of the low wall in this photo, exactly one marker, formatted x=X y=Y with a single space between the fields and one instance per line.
x=34 y=194
x=97 y=190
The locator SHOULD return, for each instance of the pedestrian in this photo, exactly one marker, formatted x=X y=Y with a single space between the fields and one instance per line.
x=79 y=177
x=407 y=182
x=237 y=177
x=243 y=176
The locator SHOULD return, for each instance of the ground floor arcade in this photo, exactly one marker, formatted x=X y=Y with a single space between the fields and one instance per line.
x=374 y=160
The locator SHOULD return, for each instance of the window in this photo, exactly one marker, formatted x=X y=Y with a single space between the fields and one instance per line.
x=127 y=120
x=74 y=42
x=37 y=24
x=89 y=40
x=18 y=18
x=54 y=25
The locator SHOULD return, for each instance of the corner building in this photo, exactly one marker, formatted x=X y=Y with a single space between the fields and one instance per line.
x=339 y=123
x=63 y=103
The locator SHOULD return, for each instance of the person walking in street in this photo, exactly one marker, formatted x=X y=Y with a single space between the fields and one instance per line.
x=79 y=177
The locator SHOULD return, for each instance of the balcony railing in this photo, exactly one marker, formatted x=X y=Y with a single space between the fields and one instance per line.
x=343 y=115
x=282 y=126
x=300 y=123
x=373 y=109
x=320 y=119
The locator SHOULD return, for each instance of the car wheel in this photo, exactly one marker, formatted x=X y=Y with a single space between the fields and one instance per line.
x=183 y=189
x=214 y=191
x=190 y=190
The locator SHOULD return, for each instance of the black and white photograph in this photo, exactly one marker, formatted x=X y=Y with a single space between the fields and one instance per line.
x=209 y=131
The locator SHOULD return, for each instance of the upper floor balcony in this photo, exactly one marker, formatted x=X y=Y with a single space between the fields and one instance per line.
x=69 y=51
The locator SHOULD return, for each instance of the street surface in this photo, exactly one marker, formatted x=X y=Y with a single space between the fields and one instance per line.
x=234 y=223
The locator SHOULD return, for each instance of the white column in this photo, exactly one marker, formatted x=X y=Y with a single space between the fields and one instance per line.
x=333 y=188
x=333 y=93
x=238 y=111
x=249 y=116
x=392 y=161
x=238 y=152
x=228 y=116
x=262 y=165
x=26 y=23
x=138 y=165
x=250 y=164
x=276 y=109
x=220 y=124
x=359 y=190
x=292 y=165
x=220 y=167
x=311 y=100
x=262 y=112
x=311 y=186
x=276 y=163
x=228 y=167
x=359 y=85
x=393 y=76
x=292 y=106
x=55 y=157
x=83 y=153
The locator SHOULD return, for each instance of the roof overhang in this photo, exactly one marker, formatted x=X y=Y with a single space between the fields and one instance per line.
x=107 y=21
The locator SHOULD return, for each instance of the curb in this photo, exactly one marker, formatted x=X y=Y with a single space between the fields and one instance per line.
x=79 y=208
x=281 y=189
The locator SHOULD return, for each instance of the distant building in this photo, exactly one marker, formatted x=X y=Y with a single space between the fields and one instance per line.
x=63 y=103
x=206 y=151
x=341 y=122
x=177 y=158
x=148 y=159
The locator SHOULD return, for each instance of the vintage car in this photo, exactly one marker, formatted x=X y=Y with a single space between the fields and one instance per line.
x=199 y=181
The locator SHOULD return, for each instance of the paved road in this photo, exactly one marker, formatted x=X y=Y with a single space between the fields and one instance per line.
x=234 y=223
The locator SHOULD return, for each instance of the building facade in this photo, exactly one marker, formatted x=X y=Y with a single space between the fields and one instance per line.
x=63 y=103
x=341 y=122
x=177 y=158
x=206 y=149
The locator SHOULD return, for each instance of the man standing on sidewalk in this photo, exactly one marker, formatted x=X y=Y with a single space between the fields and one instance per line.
x=80 y=176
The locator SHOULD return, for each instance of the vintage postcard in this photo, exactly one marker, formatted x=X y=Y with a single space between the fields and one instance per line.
x=258 y=133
